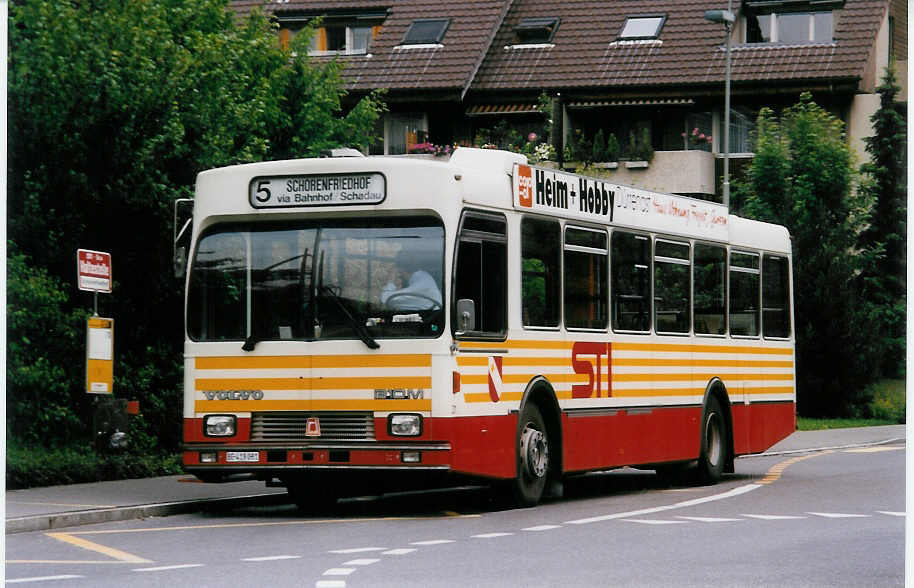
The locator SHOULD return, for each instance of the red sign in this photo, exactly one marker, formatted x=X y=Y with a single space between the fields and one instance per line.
x=93 y=269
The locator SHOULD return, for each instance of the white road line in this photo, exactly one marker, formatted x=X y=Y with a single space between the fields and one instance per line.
x=433 y=542
x=772 y=517
x=490 y=535
x=542 y=528
x=330 y=584
x=400 y=551
x=166 y=568
x=838 y=515
x=655 y=522
x=891 y=513
x=684 y=504
x=357 y=550
x=271 y=558
x=339 y=571
x=709 y=519
x=43 y=578
x=360 y=562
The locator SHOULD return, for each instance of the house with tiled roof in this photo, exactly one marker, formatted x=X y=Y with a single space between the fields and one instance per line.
x=631 y=69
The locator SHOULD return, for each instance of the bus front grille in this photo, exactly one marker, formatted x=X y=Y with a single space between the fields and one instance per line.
x=293 y=426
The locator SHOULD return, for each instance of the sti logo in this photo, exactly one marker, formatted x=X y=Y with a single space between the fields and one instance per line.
x=525 y=186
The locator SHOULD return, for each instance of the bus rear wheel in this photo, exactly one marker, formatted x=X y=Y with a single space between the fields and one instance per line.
x=714 y=435
x=532 y=457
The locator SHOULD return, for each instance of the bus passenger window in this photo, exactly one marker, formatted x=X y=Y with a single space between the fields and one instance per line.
x=744 y=294
x=481 y=272
x=631 y=285
x=671 y=287
x=586 y=279
x=775 y=298
x=710 y=289
x=540 y=274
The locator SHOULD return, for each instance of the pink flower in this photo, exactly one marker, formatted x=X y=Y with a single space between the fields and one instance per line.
x=531 y=137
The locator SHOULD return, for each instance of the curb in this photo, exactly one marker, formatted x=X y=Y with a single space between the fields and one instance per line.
x=46 y=522
x=828 y=448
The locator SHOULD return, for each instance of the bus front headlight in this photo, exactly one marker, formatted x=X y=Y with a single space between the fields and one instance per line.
x=404 y=425
x=219 y=425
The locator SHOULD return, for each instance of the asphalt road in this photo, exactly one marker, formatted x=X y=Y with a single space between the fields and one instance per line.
x=825 y=518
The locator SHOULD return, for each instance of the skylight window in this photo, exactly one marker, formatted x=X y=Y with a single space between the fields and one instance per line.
x=533 y=31
x=642 y=27
x=426 y=31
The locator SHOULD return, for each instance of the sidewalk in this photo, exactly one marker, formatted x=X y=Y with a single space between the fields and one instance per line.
x=55 y=507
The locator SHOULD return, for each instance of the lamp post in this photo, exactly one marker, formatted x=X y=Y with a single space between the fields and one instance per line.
x=727 y=18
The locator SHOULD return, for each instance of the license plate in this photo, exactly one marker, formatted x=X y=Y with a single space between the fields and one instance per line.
x=245 y=456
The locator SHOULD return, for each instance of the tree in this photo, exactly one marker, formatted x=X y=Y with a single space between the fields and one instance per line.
x=885 y=183
x=114 y=107
x=802 y=177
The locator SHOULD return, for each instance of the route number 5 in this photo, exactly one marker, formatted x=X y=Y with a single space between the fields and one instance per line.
x=263 y=191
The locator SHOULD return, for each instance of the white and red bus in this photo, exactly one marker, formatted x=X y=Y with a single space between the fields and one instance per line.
x=375 y=317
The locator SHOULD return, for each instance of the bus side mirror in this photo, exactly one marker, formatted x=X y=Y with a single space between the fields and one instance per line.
x=466 y=315
x=180 y=261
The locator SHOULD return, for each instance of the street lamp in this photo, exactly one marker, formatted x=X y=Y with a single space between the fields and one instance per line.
x=727 y=18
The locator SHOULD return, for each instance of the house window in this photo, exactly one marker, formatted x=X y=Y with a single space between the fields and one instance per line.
x=642 y=27
x=789 y=27
x=533 y=31
x=337 y=35
x=426 y=31
x=404 y=131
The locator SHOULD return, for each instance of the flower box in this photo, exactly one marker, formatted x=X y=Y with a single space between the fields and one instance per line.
x=636 y=164
x=605 y=164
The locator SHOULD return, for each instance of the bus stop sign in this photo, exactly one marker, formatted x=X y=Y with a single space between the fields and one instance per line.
x=93 y=269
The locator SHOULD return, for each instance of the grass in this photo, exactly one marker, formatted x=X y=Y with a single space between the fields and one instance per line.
x=887 y=407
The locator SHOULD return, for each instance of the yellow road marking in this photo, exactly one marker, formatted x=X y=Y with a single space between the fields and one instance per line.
x=117 y=554
x=775 y=471
x=273 y=524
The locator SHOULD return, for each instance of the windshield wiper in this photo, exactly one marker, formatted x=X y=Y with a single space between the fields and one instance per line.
x=356 y=325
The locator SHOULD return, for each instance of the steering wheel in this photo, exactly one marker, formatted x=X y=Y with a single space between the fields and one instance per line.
x=434 y=304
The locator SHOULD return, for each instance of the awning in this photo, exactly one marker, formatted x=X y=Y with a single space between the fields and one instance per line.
x=484 y=109
x=631 y=102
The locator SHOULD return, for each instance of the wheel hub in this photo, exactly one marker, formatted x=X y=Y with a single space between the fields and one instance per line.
x=534 y=452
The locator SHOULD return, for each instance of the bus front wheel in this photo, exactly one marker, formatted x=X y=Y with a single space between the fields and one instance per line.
x=532 y=457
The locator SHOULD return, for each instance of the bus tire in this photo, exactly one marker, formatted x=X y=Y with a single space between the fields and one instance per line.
x=532 y=457
x=713 y=456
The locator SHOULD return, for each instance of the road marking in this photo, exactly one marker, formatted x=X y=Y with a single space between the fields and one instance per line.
x=655 y=522
x=330 y=584
x=433 y=542
x=271 y=558
x=362 y=562
x=339 y=571
x=357 y=550
x=772 y=517
x=709 y=519
x=775 y=471
x=891 y=513
x=542 y=528
x=490 y=535
x=874 y=449
x=94 y=562
x=838 y=515
x=684 y=504
x=44 y=578
x=167 y=568
x=399 y=551
x=109 y=551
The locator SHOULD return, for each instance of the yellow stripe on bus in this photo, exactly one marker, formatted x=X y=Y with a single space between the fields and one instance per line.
x=419 y=405
x=312 y=361
x=677 y=377
x=754 y=363
x=625 y=346
x=365 y=383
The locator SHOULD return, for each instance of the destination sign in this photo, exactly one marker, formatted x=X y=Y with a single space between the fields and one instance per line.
x=318 y=190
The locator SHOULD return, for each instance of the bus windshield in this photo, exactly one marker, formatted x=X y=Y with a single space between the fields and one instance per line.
x=318 y=279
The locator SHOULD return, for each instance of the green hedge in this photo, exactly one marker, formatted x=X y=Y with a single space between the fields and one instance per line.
x=38 y=466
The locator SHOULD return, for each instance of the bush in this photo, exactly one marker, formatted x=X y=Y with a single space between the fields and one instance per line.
x=888 y=401
x=28 y=467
